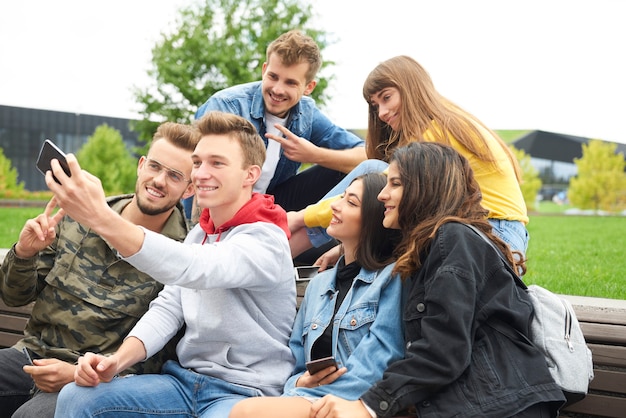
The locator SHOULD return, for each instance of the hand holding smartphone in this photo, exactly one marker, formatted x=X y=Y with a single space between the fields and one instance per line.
x=315 y=366
x=48 y=152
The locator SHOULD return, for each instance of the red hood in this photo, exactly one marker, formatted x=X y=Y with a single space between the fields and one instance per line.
x=260 y=208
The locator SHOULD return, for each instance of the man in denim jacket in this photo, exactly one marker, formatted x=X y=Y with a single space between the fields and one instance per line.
x=279 y=108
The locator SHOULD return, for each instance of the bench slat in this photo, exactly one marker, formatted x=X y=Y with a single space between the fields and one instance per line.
x=599 y=316
x=608 y=355
x=599 y=405
x=609 y=381
x=19 y=310
x=605 y=333
x=7 y=339
x=12 y=323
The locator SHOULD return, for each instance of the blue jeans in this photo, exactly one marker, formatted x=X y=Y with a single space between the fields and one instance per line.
x=317 y=235
x=16 y=386
x=513 y=233
x=176 y=392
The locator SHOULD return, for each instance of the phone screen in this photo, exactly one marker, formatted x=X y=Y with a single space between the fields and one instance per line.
x=48 y=152
x=306 y=272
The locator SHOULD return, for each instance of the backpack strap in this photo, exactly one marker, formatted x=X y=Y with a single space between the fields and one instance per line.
x=496 y=323
x=516 y=277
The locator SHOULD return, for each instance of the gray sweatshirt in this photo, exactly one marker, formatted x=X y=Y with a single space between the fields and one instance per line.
x=234 y=291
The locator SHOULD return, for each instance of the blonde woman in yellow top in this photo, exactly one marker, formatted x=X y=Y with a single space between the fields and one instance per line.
x=404 y=107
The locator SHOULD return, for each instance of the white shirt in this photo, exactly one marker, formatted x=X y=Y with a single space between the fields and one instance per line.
x=272 y=154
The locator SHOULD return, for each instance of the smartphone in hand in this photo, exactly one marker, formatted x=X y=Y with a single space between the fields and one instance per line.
x=28 y=356
x=304 y=273
x=315 y=366
x=48 y=152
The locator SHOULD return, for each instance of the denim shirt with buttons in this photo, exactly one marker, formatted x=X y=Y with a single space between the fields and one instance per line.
x=305 y=120
x=367 y=330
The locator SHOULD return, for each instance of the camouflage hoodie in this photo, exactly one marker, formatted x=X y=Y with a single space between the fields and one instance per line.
x=86 y=297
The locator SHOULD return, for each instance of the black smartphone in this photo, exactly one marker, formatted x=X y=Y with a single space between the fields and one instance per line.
x=315 y=366
x=28 y=356
x=48 y=152
x=306 y=272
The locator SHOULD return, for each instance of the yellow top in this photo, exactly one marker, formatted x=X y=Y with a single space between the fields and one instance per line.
x=502 y=195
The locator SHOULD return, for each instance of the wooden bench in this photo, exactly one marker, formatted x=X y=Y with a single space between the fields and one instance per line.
x=12 y=320
x=604 y=324
x=603 y=321
x=12 y=323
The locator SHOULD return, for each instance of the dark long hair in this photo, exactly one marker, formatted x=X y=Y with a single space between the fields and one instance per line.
x=376 y=244
x=438 y=186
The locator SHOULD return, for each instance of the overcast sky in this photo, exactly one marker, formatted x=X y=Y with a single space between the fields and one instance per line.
x=555 y=65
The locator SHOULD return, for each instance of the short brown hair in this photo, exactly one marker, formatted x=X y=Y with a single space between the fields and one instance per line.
x=294 y=47
x=177 y=134
x=236 y=127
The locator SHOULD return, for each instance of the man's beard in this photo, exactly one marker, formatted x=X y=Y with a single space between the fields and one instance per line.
x=150 y=210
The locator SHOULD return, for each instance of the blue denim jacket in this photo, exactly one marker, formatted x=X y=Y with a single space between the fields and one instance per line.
x=367 y=334
x=305 y=120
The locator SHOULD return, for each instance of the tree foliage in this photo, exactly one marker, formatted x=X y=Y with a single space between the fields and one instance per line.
x=601 y=181
x=9 y=186
x=216 y=44
x=531 y=183
x=105 y=156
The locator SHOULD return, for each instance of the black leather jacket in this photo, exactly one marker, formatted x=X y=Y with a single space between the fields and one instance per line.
x=455 y=364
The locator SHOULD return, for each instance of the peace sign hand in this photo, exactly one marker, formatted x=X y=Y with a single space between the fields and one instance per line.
x=39 y=232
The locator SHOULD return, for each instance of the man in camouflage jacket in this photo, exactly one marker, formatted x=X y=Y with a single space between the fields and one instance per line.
x=86 y=297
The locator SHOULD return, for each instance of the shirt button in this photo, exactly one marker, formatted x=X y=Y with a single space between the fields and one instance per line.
x=421 y=307
x=426 y=404
x=353 y=322
x=314 y=326
x=408 y=345
x=383 y=406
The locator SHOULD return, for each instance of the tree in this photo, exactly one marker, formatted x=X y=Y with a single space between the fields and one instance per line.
x=9 y=187
x=601 y=181
x=531 y=183
x=217 y=44
x=105 y=156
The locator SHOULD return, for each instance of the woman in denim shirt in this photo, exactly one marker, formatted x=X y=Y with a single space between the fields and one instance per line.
x=455 y=285
x=351 y=312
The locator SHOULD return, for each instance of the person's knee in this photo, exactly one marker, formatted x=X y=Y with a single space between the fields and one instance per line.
x=41 y=405
x=371 y=165
x=74 y=399
x=242 y=409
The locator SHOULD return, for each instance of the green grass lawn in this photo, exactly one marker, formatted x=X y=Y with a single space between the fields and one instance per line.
x=575 y=255
x=11 y=222
x=578 y=255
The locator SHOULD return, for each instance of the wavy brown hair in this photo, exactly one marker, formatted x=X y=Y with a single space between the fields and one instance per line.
x=295 y=47
x=438 y=186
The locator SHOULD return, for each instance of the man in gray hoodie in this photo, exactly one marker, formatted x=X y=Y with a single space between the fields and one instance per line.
x=231 y=284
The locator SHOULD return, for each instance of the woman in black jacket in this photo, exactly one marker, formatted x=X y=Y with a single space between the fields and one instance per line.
x=455 y=364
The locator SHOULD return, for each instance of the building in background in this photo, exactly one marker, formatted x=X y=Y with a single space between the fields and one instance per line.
x=23 y=130
x=553 y=154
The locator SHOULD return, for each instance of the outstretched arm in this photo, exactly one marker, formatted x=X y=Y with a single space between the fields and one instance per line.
x=82 y=198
